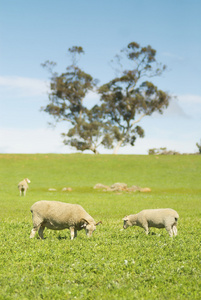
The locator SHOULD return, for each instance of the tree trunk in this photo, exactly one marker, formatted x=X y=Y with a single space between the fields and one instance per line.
x=94 y=150
x=116 y=149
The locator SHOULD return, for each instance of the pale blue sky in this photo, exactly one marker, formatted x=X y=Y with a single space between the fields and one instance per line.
x=34 y=31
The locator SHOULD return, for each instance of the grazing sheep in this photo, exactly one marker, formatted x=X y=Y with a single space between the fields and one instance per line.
x=23 y=186
x=58 y=216
x=159 y=218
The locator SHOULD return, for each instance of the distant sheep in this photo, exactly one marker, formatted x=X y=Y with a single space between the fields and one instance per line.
x=58 y=216
x=23 y=186
x=160 y=218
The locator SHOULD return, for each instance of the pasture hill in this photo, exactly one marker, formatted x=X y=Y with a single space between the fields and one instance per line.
x=114 y=263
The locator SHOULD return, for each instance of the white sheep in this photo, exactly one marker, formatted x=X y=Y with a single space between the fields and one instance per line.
x=23 y=186
x=58 y=216
x=159 y=218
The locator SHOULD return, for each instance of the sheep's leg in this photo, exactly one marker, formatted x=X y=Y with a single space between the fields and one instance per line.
x=146 y=228
x=33 y=232
x=73 y=233
x=40 y=232
x=24 y=192
x=147 y=231
x=20 y=193
x=169 y=230
x=174 y=228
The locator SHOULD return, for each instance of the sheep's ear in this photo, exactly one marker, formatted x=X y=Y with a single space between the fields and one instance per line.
x=100 y=222
x=125 y=218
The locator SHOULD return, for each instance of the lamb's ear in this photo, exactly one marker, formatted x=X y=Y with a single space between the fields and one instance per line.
x=125 y=218
x=100 y=222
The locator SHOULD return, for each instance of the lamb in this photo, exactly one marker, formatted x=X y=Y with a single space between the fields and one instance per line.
x=159 y=218
x=58 y=216
x=23 y=186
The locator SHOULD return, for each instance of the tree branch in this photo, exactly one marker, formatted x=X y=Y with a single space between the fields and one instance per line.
x=127 y=133
x=140 y=118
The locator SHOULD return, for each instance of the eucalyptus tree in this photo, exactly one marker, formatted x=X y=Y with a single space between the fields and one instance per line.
x=67 y=94
x=130 y=97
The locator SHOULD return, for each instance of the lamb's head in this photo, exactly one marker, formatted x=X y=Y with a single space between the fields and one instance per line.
x=127 y=222
x=27 y=180
x=90 y=227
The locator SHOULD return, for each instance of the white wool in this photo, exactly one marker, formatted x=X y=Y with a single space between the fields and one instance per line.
x=58 y=216
x=23 y=186
x=159 y=218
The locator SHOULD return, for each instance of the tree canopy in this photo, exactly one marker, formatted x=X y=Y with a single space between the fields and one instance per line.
x=127 y=99
x=124 y=100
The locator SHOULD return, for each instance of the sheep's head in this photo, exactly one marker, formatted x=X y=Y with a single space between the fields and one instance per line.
x=27 y=180
x=127 y=222
x=90 y=227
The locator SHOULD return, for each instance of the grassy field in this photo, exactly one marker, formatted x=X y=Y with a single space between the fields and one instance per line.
x=114 y=263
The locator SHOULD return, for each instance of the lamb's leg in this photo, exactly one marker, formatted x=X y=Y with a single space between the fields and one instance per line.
x=169 y=230
x=146 y=228
x=33 y=232
x=73 y=233
x=174 y=228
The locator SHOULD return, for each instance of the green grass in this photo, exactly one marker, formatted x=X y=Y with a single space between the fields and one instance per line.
x=114 y=263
